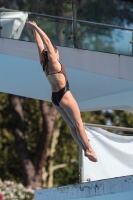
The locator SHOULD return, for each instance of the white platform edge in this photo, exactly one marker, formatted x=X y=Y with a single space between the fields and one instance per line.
x=88 y=189
x=120 y=67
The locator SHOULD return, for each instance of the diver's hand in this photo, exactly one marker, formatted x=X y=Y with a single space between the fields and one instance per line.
x=31 y=24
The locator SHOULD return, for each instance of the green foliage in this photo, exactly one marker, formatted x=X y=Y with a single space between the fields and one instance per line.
x=9 y=162
x=9 y=165
x=121 y=118
x=4 y=110
x=47 y=7
x=95 y=117
x=105 y=11
x=33 y=122
x=66 y=152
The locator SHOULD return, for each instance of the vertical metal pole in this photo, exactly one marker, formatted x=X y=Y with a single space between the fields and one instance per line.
x=75 y=34
x=132 y=43
x=0 y=24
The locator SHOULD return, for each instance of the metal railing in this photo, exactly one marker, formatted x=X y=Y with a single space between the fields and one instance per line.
x=109 y=127
x=70 y=19
x=74 y=20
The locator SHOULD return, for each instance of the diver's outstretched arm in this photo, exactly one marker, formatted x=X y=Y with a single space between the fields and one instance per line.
x=40 y=45
x=45 y=39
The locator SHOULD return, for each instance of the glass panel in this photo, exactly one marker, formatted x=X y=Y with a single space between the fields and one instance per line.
x=105 y=39
x=49 y=7
x=60 y=32
x=115 y=12
x=13 y=23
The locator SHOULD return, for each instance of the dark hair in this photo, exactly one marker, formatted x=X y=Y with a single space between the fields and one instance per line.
x=55 y=48
x=45 y=54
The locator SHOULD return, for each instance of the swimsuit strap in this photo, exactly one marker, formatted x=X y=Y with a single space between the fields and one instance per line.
x=57 y=72
x=63 y=71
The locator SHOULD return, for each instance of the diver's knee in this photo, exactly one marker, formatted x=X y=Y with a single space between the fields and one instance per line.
x=78 y=125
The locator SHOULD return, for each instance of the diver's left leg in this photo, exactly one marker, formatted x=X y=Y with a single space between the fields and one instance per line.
x=70 y=106
x=70 y=124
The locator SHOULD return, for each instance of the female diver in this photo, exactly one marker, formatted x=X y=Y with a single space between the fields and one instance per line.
x=62 y=99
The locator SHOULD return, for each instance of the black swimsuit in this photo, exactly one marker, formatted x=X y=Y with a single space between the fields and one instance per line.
x=56 y=96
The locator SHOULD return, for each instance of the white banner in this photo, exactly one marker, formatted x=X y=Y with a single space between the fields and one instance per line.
x=12 y=24
x=114 y=152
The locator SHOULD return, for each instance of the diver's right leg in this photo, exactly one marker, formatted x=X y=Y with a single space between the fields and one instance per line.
x=71 y=126
x=70 y=106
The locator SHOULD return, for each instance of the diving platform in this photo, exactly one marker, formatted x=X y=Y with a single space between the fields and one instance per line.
x=115 y=188
x=97 y=80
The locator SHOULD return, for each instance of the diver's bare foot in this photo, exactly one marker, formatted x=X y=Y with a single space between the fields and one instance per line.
x=91 y=155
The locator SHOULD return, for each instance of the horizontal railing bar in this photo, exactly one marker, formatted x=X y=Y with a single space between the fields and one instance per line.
x=109 y=127
x=104 y=25
x=50 y=16
x=39 y=15
x=69 y=19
